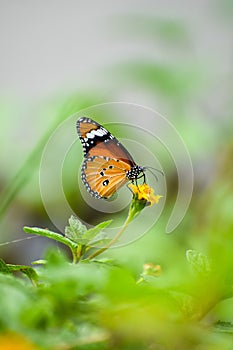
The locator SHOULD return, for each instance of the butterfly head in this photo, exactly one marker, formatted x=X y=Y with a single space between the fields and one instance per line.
x=135 y=172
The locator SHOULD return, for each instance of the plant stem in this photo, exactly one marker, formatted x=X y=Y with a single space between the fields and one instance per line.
x=77 y=253
x=75 y=257
x=114 y=240
x=140 y=280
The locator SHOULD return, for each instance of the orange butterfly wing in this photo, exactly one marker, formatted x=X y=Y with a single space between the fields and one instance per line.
x=102 y=176
x=107 y=163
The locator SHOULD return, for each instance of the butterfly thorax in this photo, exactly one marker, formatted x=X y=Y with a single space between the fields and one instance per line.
x=134 y=172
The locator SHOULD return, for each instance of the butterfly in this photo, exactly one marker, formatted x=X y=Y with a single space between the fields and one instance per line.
x=107 y=164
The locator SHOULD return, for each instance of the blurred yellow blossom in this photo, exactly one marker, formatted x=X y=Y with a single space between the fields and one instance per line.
x=145 y=192
x=151 y=269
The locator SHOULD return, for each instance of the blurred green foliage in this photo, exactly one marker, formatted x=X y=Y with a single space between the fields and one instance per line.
x=99 y=304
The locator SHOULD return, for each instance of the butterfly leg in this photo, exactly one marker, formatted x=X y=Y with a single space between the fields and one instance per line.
x=139 y=177
x=144 y=178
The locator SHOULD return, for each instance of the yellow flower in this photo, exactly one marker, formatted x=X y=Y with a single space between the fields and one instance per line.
x=151 y=269
x=145 y=192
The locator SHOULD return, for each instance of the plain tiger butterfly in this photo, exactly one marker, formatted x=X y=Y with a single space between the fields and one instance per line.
x=107 y=164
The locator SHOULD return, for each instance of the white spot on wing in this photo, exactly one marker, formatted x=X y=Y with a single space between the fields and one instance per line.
x=99 y=132
x=90 y=135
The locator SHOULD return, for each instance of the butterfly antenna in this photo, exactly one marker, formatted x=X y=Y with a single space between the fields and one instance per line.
x=149 y=168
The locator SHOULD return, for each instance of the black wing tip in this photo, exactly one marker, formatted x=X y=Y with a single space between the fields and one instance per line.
x=85 y=119
x=81 y=120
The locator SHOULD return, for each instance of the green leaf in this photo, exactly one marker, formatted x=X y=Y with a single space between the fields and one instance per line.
x=187 y=303
x=39 y=262
x=105 y=261
x=99 y=240
x=78 y=233
x=224 y=327
x=4 y=267
x=50 y=234
x=27 y=270
x=55 y=257
x=198 y=262
x=93 y=232
x=76 y=225
x=76 y=230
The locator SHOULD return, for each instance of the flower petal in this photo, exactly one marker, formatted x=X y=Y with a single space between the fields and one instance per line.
x=144 y=192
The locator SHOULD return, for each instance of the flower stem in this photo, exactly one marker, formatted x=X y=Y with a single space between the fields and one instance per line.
x=114 y=240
